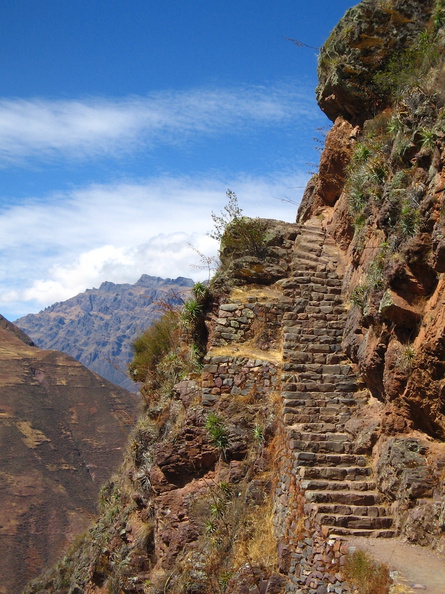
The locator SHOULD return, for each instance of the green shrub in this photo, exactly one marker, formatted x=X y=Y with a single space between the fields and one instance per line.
x=152 y=345
x=231 y=212
x=407 y=67
x=162 y=356
x=361 y=153
x=409 y=220
x=201 y=292
x=439 y=15
x=191 y=311
x=217 y=431
x=406 y=357
x=245 y=236
x=428 y=139
x=358 y=296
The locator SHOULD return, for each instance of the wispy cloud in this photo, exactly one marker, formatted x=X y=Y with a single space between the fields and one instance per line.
x=55 y=247
x=42 y=129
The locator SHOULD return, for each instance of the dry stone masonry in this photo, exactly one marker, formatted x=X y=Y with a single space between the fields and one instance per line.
x=320 y=392
x=327 y=490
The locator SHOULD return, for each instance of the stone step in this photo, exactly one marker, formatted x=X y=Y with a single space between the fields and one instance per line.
x=311 y=334
x=372 y=511
x=347 y=497
x=338 y=447
x=308 y=290
x=332 y=485
x=296 y=332
x=310 y=228
x=320 y=384
x=301 y=281
x=339 y=370
x=322 y=412
x=300 y=265
x=310 y=231
x=319 y=414
x=309 y=243
x=308 y=378
x=315 y=427
x=339 y=531
x=317 y=402
x=294 y=362
x=291 y=339
x=304 y=298
x=344 y=400
x=311 y=290
x=346 y=473
x=308 y=436
x=306 y=256
x=354 y=522
x=321 y=459
x=292 y=418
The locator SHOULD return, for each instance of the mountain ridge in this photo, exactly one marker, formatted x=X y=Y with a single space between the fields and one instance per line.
x=98 y=326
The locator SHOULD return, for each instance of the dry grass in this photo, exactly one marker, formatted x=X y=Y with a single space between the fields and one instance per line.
x=248 y=351
x=260 y=547
x=366 y=575
x=256 y=293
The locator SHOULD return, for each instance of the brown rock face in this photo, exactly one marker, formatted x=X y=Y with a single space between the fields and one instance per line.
x=334 y=160
x=61 y=433
x=326 y=187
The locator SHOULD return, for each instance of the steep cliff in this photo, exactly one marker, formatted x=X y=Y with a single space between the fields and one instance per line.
x=317 y=415
x=383 y=202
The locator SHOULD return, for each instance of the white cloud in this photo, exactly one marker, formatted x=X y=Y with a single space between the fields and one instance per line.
x=54 y=248
x=165 y=256
x=41 y=128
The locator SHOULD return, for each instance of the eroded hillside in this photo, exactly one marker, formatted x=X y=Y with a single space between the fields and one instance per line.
x=62 y=430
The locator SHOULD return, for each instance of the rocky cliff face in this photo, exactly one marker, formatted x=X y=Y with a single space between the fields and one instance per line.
x=62 y=430
x=318 y=414
x=383 y=203
x=97 y=327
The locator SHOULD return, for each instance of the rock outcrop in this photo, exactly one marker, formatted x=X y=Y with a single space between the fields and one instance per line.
x=361 y=45
x=62 y=432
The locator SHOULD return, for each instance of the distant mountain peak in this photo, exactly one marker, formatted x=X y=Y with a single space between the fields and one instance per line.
x=98 y=326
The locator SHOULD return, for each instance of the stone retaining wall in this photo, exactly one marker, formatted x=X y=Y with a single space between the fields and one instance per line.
x=311 y=560
x=238 y=376
x=242 y=322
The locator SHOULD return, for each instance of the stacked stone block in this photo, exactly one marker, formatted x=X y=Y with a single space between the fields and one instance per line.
x=320 y=393
x=240 y=322
x=237 y=376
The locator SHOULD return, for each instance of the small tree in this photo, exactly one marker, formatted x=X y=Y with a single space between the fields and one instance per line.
x=231 y=213
x=237 y=233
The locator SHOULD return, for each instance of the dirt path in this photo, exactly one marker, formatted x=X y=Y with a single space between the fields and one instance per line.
x=418 y=569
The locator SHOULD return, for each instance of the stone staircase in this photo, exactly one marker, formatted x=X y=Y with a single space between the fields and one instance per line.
x=320 y=393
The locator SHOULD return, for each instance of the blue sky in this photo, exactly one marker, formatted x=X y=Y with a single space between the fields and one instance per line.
x=123 y=123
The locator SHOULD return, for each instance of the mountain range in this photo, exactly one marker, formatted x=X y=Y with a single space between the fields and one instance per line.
x=97 y=327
